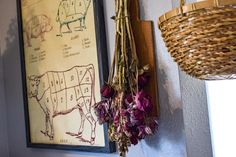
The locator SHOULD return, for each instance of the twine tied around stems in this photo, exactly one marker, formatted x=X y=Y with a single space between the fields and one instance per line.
x=116 y=19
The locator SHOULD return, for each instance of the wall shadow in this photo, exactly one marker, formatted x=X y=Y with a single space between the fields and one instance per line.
x=171 y=122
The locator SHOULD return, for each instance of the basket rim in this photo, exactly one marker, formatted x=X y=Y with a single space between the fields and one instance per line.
x=193 y=7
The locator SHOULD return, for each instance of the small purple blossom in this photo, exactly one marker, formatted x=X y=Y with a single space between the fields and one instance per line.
x=148 y=130
x=128 y=128
x=102 y=110
x=142 y=132
x=134 y=135
x=137 y=117
x=107 y=91
x=134 y=140
x=143 y=101
x=143 y=80
x=153 y=126
x=129 y=99
x=123 y=112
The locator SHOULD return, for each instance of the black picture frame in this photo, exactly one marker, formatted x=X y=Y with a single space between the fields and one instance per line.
x=110 y=147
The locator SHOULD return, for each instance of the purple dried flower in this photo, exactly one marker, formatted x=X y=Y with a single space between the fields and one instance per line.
x=134 y=135
x=117 y=118
x=134 y=140
x=129 y=99
x=142 y=132
x=102 y=110
x=143 y=101
x=152 y=126
x=137 y=117
x=143 y=80
x=107 y=91
x=128 y=129
x=124 y=112
x=148 y=130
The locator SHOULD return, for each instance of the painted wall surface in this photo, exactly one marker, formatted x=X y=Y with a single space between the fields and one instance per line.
x=221 y=100
x=170 y=142
x=3 y=116
x=196 y=118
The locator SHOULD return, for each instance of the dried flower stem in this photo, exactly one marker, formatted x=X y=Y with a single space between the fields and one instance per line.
x=124 y=71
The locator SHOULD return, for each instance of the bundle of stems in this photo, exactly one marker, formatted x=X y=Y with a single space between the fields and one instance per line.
x=126 y=107
x=124 y=69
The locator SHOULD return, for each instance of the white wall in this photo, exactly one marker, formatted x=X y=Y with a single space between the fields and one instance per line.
x=222 y=109
x=196 y=119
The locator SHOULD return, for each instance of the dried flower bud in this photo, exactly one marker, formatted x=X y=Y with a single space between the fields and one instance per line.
x=142 y=132
x=143 y=79
x=137 y=117
x=102 y=110
x=134 y=140
x=129 y=99
x=107 y=91
x=123 y=112
x=153 y=125
x=143 y=101
x=127 y=129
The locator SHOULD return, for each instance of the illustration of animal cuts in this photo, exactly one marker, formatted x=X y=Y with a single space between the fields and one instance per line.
x=36 y=27
x=60 y=92
x=70 y=11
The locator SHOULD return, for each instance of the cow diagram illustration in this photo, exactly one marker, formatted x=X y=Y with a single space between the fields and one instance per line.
x=70 y=11
x=36 y=27
x=60 y=92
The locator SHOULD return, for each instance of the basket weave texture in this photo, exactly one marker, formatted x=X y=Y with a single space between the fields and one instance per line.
x=203 y=42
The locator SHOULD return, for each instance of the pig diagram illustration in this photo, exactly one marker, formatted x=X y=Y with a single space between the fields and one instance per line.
x=37 y=27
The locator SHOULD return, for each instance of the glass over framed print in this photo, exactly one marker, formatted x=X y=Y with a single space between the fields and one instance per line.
x=64 y=63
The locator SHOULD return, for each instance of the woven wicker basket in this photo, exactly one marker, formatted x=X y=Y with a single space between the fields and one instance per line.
x=201 y=37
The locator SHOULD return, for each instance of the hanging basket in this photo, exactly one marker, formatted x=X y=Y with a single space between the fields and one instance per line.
x=201 y=37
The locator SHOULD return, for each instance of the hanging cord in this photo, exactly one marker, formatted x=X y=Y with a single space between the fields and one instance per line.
x=182 y=3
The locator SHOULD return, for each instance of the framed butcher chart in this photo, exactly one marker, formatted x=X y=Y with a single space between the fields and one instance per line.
x=64 y=63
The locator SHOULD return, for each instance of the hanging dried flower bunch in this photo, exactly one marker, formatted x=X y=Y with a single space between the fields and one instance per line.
x=126 y=107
